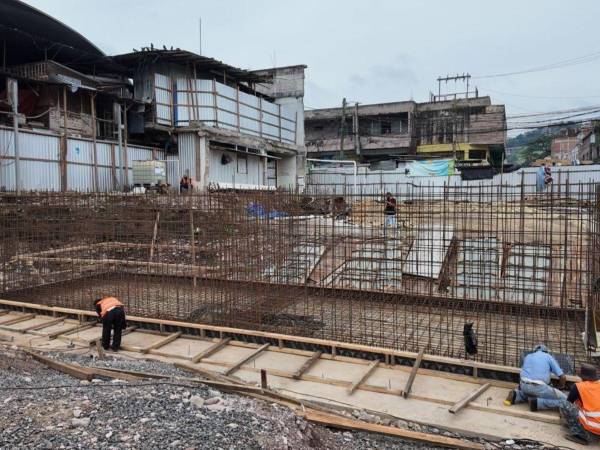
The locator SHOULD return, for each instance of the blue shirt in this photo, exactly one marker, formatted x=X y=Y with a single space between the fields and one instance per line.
x=539 y=366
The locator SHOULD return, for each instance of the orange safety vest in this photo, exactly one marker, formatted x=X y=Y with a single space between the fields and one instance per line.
x=589 y=405
x=107 y=304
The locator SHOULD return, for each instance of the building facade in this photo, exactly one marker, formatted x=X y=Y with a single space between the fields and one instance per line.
x=471 y=129
x=83 y=118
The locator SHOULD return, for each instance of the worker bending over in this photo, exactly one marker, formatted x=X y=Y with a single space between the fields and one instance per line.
x=112 y=312
x=581 y=410
x=535 y=387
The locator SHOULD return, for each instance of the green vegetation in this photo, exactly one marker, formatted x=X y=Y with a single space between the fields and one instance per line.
x=531 y=145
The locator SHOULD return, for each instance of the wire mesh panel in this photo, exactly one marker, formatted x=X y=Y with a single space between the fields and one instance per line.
x=521 y=268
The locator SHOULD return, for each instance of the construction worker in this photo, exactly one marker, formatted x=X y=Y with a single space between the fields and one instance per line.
x=185 y=184
x=581 y=410
x=535 y=387
x=112 y=312
x=390 y=210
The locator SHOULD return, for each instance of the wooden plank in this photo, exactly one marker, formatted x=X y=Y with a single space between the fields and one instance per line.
x=247 y=359
x=154 y=233
x=413 y=374
x=469 y=398
x=307 y=365
x=81 y=373
x=100 y=349
x=14 y=320
x=4 y=312
x=39 y=326
x=168 y=339
x=108 y=373
x=350 y=424
x=210 y=350
x=70 y=330
x=363 y=377
x=208 y=374
x=298 y=339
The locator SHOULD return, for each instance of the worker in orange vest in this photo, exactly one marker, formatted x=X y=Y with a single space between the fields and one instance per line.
x=581 y=410
x=112 y=312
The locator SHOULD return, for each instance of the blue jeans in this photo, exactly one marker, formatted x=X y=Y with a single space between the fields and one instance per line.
x=390 y=221
x=547 y=396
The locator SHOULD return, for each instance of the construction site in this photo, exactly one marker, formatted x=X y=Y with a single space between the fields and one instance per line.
x=192 y=257
x=320 y=276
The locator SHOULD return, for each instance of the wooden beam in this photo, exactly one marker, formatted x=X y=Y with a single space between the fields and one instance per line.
x=380 y=351
x=39 y=326
x=100 y=349
x=363 y=377
x=154 y=233
x=108 y=373
x=81 y=373
x=4 y=312
x=247 y=359
x=168 y=339
x=208 y=374
x=70 y=330
x=307 y=365
x=14 y=320
x=350 y=424
x=210 y=350
x=413 y=374
x=469 y=398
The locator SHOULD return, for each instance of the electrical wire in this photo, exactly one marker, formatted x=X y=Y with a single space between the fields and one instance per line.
x=557 y=65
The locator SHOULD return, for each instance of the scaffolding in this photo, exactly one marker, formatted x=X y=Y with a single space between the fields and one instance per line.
x=520 y=268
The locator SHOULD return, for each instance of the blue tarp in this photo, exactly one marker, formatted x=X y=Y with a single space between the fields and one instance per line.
x=431 y=168
x=258 y=210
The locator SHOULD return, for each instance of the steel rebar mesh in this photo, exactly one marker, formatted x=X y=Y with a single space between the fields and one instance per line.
x=520 y=267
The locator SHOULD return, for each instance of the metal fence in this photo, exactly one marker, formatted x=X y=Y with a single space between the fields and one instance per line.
x=89 y=166
x=343 y=181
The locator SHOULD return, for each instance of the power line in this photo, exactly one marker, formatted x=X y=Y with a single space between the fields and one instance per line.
x=557 y=65
x=543 y=96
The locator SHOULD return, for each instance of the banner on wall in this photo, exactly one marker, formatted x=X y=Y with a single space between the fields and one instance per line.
x=431 y=168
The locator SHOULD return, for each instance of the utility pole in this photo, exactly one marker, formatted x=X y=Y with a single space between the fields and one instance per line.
x=343 y=128
x=356 y=130
x=13 y=88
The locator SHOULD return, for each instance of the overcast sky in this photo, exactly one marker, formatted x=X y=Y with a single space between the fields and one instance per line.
x=370 y=51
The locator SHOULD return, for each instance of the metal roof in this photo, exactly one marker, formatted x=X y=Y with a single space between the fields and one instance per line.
x=32 y=35
x=148 y=56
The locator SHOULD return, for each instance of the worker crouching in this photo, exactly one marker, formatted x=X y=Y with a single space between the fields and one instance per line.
x=581 y=410
x=535 y=387
x=112 y=313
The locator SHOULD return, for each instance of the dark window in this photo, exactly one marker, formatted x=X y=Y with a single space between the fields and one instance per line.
x=386 y=127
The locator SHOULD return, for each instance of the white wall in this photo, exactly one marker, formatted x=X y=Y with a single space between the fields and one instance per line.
x=231 y=172
x=40 y=156
x=574 y=180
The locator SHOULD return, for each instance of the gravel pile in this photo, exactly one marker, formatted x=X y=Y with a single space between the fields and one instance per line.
x=44 y=409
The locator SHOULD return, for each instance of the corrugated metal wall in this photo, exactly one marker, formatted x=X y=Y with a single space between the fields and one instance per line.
x=40 y=156
x=197 y=100
x=340 y=181
x=232 y=172
x=188 y=145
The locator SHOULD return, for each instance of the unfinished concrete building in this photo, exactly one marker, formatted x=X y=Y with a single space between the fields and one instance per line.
x=467 y=129
x=82 y=123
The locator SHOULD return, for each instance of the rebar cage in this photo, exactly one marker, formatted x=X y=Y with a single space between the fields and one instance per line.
x=520 y=267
